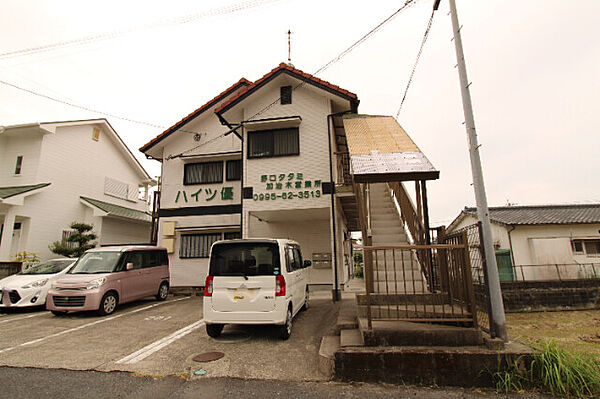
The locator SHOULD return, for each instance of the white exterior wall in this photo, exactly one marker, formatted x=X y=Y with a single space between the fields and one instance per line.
x=10 y=147
x=313 y=232
x=543 y=245
x=75 y=165
x=192 y=272
x=121 y=231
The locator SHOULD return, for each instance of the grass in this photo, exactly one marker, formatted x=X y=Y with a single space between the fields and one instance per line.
x=566 y=353
x=573 y=331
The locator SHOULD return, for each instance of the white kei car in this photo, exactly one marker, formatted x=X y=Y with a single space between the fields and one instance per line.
x=255 y=281
x=30 y=287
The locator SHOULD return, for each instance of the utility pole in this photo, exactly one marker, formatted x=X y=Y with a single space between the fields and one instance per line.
x=499 y=319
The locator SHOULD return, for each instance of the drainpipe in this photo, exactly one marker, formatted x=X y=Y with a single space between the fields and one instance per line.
x=512 y=256
x=333 y=215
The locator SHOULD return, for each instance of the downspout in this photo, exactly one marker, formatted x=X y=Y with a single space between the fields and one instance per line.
x=512 y=256
x=333 y=215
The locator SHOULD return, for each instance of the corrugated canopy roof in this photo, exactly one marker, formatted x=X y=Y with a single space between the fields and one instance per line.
x=381 y=150
x=117 y=210
x=7 y=192
x=543 y=214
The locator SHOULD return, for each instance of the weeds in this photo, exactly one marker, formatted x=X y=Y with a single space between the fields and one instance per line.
x=553 y=369
x=564 y=373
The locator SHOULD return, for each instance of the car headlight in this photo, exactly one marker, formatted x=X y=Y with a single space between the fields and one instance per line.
x=97 y=283
x=39 y=283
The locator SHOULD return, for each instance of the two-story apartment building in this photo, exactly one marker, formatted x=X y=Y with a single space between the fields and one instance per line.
x=52 y=174
x=258 y=160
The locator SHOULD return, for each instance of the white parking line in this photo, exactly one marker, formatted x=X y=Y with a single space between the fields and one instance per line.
x=24 y=317
x=35 y=341
x=161 y=343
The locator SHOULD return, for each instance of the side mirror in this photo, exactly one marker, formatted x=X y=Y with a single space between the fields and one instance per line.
x=307 y=263
x=129 y=266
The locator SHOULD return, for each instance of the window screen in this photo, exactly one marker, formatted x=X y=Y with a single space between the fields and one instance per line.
x=234 y=170
x=203 y=173
x=273 y=143
x=197 y=245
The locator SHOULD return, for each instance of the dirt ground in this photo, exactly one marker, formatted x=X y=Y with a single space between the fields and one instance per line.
x=576 y=331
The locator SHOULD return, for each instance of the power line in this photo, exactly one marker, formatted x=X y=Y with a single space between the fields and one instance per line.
x=412 y=73
x=406 y=4
x=116 y=33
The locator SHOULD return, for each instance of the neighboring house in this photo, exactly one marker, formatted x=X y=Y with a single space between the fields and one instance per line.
x=542 y=242
x=52 y=174
x=273 y=177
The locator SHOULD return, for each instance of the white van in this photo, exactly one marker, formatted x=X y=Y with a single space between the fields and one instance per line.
x=255 y=281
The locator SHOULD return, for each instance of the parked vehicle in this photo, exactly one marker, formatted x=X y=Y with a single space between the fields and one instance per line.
x=106 y=277
x=30 y=287
x=255 y=281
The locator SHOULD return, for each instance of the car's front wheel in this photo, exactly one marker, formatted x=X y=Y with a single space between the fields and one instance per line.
x=108 y=304
x=286 y=330
x=214 y=330
x=306 y=299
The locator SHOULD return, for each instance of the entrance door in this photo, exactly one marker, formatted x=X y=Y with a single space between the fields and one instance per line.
x=16 y=239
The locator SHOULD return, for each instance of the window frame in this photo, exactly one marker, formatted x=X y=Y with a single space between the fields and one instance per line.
x=584 y=248
x=204 y=252
x=227 y=163
x=188 y=165
x=19 y=165
x=272 y=133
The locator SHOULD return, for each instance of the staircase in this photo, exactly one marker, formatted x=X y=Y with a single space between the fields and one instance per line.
x=398 y=272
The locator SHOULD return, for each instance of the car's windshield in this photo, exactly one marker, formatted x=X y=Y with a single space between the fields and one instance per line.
x=49 y=267
x=96 y=262
x=245 y=259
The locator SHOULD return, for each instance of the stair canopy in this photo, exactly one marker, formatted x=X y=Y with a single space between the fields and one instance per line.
x=381 y=151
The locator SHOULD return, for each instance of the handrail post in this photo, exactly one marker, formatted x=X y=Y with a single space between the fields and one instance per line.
x=468 y=279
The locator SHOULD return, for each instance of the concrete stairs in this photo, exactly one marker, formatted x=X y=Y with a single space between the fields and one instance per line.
x=394 y=271
x=405 y=352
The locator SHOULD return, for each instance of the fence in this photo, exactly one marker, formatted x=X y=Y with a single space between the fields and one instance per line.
x=471 y=236
x=9 y=268
x=551 y=272
x=400 y=290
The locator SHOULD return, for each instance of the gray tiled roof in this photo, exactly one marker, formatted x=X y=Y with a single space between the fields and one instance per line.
x=543 y=214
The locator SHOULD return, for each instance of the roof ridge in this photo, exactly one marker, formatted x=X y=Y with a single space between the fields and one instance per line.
x=283 y=67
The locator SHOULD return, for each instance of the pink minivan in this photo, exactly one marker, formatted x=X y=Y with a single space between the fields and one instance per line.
x=103 y=278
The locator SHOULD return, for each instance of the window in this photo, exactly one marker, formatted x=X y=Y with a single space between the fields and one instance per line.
x=65 y=237
x=234 y=170
x=116 y=188
x=18 y=165
x=294 y=259
x=152 y=259
x=232 y=235
x=197 y=245
x=273 y=143
x=203 y=173
x=249 y=259
x=286 y=95
x=587 y=247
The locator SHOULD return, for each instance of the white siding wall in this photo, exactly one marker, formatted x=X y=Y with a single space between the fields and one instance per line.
x=542 y=244
x=119 y=231
x=76 y=166
x=10 y=147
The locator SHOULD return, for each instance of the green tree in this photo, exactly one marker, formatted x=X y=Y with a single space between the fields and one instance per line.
x=79 y=241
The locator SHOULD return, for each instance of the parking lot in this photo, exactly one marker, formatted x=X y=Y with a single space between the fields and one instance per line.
x=162 y=338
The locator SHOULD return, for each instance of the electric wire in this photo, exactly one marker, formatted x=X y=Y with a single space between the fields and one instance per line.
x=412 y=73
x=334 y=60
x=121 y=32
x=349 y=49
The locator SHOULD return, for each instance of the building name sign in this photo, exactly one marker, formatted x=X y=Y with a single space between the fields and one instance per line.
x=288 y=186
x=207 y=194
